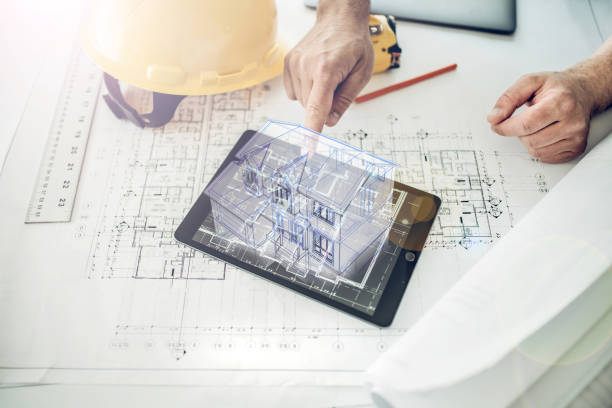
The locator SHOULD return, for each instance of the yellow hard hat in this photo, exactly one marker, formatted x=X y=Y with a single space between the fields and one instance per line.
x=185 y=47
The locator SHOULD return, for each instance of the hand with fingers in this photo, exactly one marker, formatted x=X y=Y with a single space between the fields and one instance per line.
x=329 y=67
x=555 y=125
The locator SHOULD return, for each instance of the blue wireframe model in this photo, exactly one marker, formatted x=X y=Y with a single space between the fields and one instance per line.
x=307 y=201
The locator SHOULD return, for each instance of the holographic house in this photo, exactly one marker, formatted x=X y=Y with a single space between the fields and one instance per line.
x=312 y=203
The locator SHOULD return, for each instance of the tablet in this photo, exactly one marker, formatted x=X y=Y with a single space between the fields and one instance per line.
x=365 y=275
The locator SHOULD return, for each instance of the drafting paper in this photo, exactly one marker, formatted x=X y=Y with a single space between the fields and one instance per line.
x=111 y=297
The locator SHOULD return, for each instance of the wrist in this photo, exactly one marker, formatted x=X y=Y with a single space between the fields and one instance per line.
x=354 y=12
x=594 y=76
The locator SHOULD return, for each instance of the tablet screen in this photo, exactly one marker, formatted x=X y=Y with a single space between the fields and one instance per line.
x=313 y=214
x=361 y=289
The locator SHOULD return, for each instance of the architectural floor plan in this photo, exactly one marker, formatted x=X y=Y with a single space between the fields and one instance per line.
x=150 y=302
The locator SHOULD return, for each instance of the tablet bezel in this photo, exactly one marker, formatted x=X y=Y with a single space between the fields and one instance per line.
x=395 y=287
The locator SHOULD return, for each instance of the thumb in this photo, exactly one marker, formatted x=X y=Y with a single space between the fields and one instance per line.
x=519 y=93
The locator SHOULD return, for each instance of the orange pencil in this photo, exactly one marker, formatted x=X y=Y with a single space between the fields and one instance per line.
x=403 y=84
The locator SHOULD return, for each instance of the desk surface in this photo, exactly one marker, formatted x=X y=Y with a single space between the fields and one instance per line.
x=550 y=35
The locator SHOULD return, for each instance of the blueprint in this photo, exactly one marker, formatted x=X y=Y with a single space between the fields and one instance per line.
x=115 y=292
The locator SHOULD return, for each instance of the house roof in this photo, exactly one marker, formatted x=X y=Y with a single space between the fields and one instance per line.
x=331 y=172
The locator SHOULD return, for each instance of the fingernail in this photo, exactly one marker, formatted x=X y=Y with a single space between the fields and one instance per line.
x=332 y=119
x=494 y=113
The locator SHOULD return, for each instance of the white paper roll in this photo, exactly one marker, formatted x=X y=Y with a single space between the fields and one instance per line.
x=519 y=309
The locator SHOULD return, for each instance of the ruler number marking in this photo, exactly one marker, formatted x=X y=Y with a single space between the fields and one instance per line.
x=57 y=182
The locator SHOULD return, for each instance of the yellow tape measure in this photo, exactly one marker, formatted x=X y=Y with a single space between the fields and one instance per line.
x=384 y=39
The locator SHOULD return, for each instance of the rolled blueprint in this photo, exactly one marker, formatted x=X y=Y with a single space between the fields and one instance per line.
x=524 y=304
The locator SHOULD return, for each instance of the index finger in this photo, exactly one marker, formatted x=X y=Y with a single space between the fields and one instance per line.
x=519 y=93
x=319 y=103
x=531 y=120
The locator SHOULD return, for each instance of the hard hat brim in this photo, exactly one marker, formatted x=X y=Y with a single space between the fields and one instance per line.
x=171 y=80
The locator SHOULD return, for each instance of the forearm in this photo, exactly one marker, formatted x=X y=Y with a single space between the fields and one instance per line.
x=341 y=10
x=596 y=76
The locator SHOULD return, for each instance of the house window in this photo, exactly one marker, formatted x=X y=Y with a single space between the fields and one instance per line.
x=281 y=194
x=368 y=197
x=325 y=213
x=322 y=246
x=250 y=177
x=297 y=234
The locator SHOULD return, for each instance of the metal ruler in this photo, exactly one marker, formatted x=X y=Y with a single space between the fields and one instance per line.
x=58 y=177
